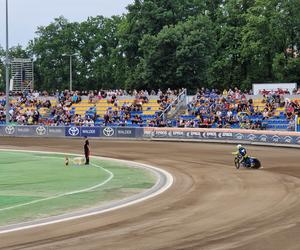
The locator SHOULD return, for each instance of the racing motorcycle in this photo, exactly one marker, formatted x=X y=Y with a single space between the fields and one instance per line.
x=253 y=162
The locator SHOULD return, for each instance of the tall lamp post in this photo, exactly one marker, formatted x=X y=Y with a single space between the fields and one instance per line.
x=71 y=70
x=7 y=67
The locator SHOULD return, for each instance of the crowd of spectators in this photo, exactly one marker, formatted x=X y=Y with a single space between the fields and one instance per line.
x=230 y=108
x=26 y=107
x=235 y=109
x=130 y=112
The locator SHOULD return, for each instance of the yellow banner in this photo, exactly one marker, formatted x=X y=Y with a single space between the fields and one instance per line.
x=298 y=121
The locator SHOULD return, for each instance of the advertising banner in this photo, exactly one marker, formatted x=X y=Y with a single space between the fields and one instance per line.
x=272 y=137
x=126 y=132
x=139 y=132
x=72 y=131
x=82 y=131
x=121 y=132
x=25 y=131
x=258 y=87
x=8 y=130
x=221 y=136
x=107 y=132
x=56 y=131
x=90 y=131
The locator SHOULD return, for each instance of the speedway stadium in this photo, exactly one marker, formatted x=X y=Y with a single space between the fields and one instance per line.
x=124 y=132
x=149 y=187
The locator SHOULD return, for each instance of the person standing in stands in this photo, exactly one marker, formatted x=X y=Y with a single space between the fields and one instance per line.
x=87 y=151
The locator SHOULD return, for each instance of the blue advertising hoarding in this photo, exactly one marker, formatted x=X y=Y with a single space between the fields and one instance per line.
x=82 y=131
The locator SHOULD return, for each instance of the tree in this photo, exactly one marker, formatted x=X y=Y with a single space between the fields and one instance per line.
x=149 y=17
x=229 y=68
x=178 y=56
x=54 y=40
x=172 y=43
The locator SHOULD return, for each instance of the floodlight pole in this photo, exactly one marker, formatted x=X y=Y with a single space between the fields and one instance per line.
x=71 y=79
x=7 y=68
x=71 y=69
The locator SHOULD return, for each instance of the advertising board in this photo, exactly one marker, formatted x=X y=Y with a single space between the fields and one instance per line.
x=195 y=134
x=272 y=87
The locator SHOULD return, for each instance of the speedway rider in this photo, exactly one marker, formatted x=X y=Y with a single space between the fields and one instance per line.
x=243 y=153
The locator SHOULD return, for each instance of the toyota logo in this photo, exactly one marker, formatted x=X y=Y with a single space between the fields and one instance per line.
x=9 y=130
x=108 y=131
x=73 y=131
x=41 y=130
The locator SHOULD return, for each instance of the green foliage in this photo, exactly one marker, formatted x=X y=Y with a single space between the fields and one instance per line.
x=171 y=43
x=178 y=55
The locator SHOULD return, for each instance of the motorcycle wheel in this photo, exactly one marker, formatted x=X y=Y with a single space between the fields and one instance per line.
x=256 y=163
x=237 y=163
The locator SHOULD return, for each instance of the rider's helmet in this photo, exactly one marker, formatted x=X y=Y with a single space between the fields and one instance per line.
x=239 y=146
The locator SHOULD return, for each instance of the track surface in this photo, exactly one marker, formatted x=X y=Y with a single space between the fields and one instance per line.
x=210 y=205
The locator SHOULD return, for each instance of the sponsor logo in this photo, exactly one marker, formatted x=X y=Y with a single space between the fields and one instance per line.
x=88 y=131
x=210 y=135
x=164 y=133
x=124 y=132
x=108 y=131
x=73 y=131
x=23 y=129
x=10 y=130
x=220 y=135
x=177 y=133
x=239 y=136
x=298 y=140
x=275 y=138
x=41 y=130
x=288 y=139
x=263 y=138
x=55 y=130
x=195 y=134
x=148 y=133
x=251 y=137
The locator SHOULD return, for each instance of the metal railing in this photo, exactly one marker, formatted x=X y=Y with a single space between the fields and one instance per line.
x=178 y=103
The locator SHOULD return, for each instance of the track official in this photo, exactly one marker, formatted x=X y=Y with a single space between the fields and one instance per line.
x=87 y=152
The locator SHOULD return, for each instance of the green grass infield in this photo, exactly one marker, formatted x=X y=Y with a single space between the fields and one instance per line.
x=39 y=185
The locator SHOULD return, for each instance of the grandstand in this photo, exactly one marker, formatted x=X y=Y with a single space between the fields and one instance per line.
x=101 y=107
x=208 y=110
x=255 y=116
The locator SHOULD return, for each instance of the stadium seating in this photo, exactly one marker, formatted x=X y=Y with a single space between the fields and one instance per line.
x=148 y=113
x=100 y=108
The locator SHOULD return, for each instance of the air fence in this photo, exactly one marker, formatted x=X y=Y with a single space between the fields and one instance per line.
x=178 y=134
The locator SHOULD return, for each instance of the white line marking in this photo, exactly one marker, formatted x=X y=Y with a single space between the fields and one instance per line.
x=111 y=176
x=169 y=182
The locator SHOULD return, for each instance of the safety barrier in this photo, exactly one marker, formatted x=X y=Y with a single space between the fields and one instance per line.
x=226 y=135
x=195 y=134
x=71 y=131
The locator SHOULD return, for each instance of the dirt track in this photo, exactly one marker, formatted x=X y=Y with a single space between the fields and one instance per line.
x=210 y=206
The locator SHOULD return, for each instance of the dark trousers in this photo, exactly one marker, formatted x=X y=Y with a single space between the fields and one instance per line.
x=87 y=158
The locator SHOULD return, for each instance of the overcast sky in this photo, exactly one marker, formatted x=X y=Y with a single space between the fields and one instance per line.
x=26 y=15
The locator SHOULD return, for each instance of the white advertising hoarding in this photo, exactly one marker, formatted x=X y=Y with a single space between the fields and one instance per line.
x=273 y=87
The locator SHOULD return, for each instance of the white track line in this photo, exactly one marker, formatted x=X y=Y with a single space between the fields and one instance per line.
x=168 y=184
x=111 y=176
